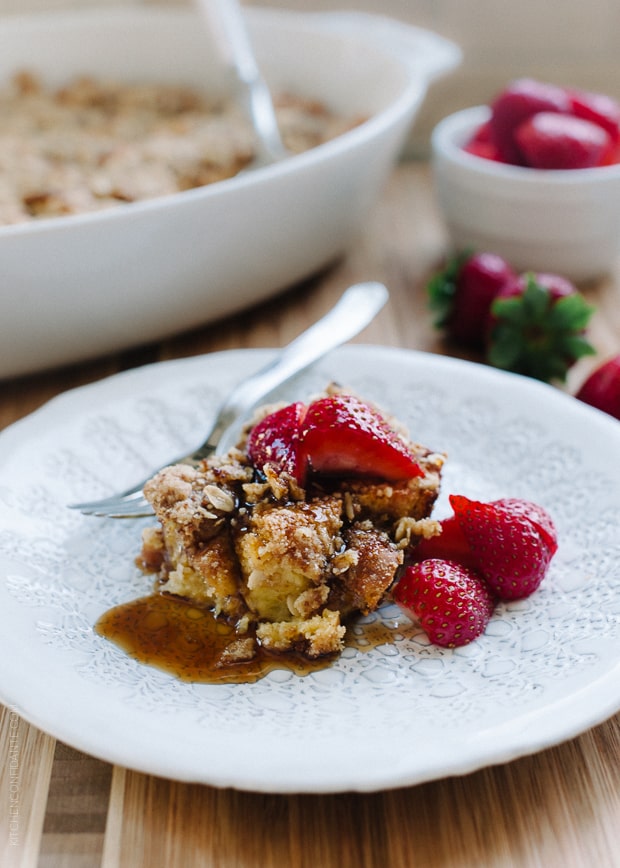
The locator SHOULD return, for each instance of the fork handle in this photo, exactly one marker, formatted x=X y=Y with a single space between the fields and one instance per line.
x=227 y=22
x=357 y=306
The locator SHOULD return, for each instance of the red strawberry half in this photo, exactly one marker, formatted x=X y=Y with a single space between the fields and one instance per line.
x=343 y=435
x=602 y=388
x=512 y=551
x=452 y=604
x=275 y=440
x=598 y=108
x=336 y=436
x=450 y=545
x=536 y=514
x=481 y=144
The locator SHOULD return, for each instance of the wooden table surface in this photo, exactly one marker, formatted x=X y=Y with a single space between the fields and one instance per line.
x=561 y=807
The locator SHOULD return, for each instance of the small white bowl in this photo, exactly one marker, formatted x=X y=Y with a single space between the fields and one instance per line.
x=564 y=221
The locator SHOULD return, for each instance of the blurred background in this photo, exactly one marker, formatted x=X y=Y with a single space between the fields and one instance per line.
x=564 y=41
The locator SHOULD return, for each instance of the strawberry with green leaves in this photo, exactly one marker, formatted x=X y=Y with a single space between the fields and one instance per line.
x=452 y=604
x=538 y=327
x=339 y=435
x=532 y=324
x=460 y=295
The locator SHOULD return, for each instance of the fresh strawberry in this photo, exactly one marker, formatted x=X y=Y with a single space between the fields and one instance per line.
x=513 y=553
x=598 y=108
x=338 y=435
x=515 y=104
x=534 y=513
x=275 y=440
x=538 y=327
x=602 y=388
x=343 y=435
x=452 y=604
x=548 y=140
x=450 y=545
x=461 y=295
x=481 y=144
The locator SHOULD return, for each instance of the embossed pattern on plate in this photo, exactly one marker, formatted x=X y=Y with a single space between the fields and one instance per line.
x=546 y=669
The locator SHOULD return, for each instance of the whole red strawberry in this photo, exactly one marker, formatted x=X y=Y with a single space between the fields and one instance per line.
x=538 y=327
x=461 y=295
x=520 y=100
x=452 y=604
x=548 y=140
x=512 y=551
x=602 y=388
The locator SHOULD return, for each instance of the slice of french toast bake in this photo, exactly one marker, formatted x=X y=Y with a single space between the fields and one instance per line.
x=299 y=527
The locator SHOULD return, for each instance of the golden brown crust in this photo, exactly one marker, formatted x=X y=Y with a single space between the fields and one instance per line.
x=374 y=561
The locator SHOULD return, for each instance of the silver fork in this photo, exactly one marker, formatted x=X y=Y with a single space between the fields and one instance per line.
x=355 y=309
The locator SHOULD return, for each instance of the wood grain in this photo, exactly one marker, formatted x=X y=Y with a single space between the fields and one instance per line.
x=560 y=807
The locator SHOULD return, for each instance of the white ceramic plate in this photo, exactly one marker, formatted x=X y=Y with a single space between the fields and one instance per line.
x=547 y=668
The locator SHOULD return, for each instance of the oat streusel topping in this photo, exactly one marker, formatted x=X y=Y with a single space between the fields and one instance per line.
x=95 y=144
x=289 y=563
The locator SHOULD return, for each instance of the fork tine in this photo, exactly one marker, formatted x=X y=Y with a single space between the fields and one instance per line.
x=115 y=500
x=120 y=509
x=355 y=309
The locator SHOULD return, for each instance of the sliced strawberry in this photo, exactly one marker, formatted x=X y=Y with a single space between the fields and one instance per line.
x=536 y=514
x=275 y=440
x=520 y=100
x=481 y=144
x=538 y=327
x=513 y=554
x=602 y=388
x=343 y=435
x=452 y=604
x=598 y=108
x=461 y=295
x=548 y=140
x=450 y=545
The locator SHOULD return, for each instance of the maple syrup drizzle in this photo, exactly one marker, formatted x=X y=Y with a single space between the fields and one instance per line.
x=189 y=642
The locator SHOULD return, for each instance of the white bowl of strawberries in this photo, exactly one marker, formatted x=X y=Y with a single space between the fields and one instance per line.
x=535 y=178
